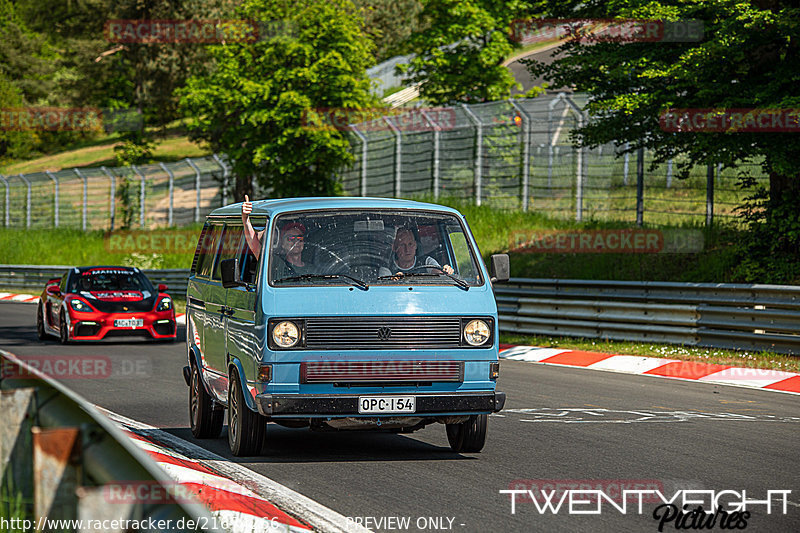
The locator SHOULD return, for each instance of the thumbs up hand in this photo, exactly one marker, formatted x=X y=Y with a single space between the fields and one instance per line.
x=247 y=207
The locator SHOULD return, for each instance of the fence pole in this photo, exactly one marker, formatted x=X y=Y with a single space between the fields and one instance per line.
x=197 y=188
x=363 y=139
x=626 y=164
x=580 y=170
x=709 y=194
x=27 y=201
x=141 y=194
x=85 y=194
x=5 y=182
x=437 y=132
x=55 y=180
x=526 y=152
x=478 y=152
x=225 y=173
x=171 y=188
x=112 y=205
x=640 y=186
x=669 y=173
x=398 y=157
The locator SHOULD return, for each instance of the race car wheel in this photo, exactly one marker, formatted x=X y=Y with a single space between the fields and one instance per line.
x=63 y=330
x=206 y=421
x=245 y=428
x=40 y=331
x=469 y=436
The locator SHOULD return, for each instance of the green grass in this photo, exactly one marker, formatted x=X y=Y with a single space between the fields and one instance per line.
x=748 y=359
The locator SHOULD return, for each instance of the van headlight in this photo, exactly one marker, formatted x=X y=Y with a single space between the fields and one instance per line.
x=165 y=304
x=477 y=332
x=285 y=334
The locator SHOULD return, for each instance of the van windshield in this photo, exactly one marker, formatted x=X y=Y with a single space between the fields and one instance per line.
x=371 y=247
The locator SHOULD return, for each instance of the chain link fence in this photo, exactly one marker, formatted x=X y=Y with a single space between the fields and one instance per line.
x=160 y=194
x=517 y=154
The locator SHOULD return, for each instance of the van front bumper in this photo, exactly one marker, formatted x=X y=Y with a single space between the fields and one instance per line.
x=429 y=404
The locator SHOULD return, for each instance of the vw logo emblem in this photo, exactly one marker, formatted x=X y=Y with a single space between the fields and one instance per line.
x=384 y=333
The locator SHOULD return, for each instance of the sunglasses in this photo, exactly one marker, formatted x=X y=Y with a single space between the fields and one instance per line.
x=294 y=238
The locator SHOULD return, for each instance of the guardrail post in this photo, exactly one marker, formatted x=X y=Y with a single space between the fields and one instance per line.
x=56 y=472
x=112 y=207
x=85 y=194
x=526 y=152
x=225 y=174
x=171 y=189
x=18 y=408
x=398 y=157
x=141 y=194
x=363 y=139
x=55 y=180
x=640 y=186
x=5 y=182
x=27 y=201
x=709 y=194
x=478 y=152
x=197 y=188
x=437 y=134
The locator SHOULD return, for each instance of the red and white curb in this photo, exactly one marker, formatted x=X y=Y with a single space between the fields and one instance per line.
x=775 y=380
x=240 y=499
x=21 y=298
x=180 y=318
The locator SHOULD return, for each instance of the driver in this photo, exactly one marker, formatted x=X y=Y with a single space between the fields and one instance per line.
x=288 y=259
x=404 y=256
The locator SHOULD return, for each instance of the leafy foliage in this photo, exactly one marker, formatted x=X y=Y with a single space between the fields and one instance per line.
x=461 y=49
x=260 y=104
x=747 y=58
x=389 y=23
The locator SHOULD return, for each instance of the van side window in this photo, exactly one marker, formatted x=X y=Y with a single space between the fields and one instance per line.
x=232 y=241
x=208 y=250
x=247 y=261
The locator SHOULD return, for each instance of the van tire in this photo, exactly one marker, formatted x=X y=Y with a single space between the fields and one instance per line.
x=205 y=420
x=469 y=436
x=245 y=428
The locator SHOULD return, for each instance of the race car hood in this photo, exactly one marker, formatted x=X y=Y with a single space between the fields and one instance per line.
x=120 y=301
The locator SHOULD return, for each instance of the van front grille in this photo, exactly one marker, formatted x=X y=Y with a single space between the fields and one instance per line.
x=382 y=333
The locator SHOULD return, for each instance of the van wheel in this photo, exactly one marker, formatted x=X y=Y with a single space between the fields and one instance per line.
x=469 y=436
x=206 y=421
x=245 y=428
x=63 y=329
x=41 y=332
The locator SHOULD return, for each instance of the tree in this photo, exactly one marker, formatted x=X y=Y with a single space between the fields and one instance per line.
x=748 y=58
x=258 y=104
x=461 y=48
x=389 y=23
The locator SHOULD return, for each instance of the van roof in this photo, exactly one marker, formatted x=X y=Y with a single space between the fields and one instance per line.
x=281 y=205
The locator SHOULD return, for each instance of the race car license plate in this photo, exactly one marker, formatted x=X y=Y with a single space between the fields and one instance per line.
x=386 y=404
x=129 y=323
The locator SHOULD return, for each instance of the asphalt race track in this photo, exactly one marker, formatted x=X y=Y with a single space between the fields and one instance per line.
x=560 y=425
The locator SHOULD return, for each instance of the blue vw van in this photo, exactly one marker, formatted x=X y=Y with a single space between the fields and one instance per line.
x=341 y=313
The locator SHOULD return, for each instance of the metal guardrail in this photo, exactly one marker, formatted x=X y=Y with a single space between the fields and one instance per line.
x=720 y=315
x=34 y=277
x=739 y=316
x=63 y=460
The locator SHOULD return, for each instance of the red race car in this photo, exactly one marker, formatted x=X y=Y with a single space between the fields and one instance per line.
x=93 y=303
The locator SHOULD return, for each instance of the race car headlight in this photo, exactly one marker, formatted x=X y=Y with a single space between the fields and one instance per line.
x=165 y=304
x=477 y=332
x=80 y=306
x=285 y=334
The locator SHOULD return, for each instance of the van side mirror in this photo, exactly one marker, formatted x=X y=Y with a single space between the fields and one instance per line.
x=500 y=268
x=230 y=273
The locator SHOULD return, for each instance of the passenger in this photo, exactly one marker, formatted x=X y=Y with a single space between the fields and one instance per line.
x=404 y=256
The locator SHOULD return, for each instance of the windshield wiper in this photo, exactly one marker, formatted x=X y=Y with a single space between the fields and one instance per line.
x=460 y=282
x=355 y=281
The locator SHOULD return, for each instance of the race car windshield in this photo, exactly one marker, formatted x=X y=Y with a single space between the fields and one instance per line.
x=110 y=280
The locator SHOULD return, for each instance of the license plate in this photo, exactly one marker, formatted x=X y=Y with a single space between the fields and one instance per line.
x=129 y=323
x=387 y=404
